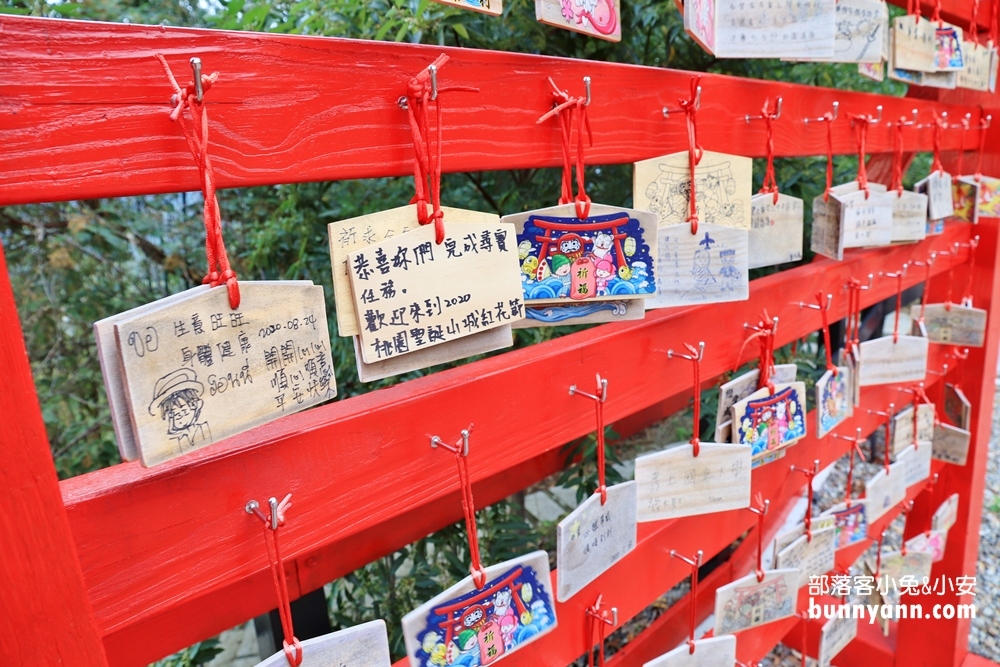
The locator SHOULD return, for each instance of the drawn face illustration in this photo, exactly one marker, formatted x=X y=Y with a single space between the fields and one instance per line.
x=473 y=616
x=569 y=246
x=181 y=411
x=701 y=259
x=602 y=241
x=501 y=601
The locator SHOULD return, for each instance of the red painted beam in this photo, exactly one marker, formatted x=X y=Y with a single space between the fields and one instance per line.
x=46 y=619
x=85 y=110
x=363 y=466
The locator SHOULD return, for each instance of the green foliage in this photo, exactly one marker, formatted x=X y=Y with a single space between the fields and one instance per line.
x=580 y=472
x=193 y=656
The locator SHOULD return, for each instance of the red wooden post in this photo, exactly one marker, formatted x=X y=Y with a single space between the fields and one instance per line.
x=947 y=640
x=46 y=617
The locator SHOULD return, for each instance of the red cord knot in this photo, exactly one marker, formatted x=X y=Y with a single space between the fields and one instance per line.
x=478 y=576
x=293 y=651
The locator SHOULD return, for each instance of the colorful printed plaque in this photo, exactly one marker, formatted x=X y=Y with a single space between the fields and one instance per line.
x=609 y=256
x=747 y=603
x=769 y=422
x=597 y=18
x=851 y=522
x=468 y=626
x=833 y=400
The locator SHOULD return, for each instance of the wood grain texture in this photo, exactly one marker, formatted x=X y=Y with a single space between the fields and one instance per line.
x=365 y=480
x=47 y=618
x=93 y=121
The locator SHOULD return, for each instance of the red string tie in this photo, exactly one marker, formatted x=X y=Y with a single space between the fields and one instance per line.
x=695 y=151
x=292 y=648
x=196 y=133
x=572 y=111
x=421 y=92
x=461 y=452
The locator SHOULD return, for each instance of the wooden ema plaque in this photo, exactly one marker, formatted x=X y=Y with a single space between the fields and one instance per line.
x=957 y=408
x=709 y=267
x=708 y=652
x=598 y=18
x=593 y=537
x=111 y=369
x=467 y=625
x=885 y=490
x=851 y=522
x=849 y=219
x=975 y=74
x=884 y=361
x=811 y=557
x=965 y=194
x=412 y=293
x=836 y=634
x=933 y=542
x=747 y=603
x=365 y=645
x=347 y=236
x=909 y=216
x=491 y=7
x=834 y=401
x=673 y=483
x=903 y=423
x=740 y=387
x=914 y=565
x=951 y=444
x=953 y=324
x=937 y=187
x=196 y=372
x=946 y=514
x=608 y=257
x=768 y=422
x=862 y=28
x=756 y=30
x=662 y=186
x=916 y=463
x=914 y=44
x=775 y=230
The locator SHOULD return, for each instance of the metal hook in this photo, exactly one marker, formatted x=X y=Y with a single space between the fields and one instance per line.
x=697 y=104
x=690 y=357
x=869 y=118
x=813 y=306
x=602 y=386
x=985 y=123
x=586 y=84
x=277 y=518
x=760 y=326
x=455 y=449
x=774 y=116
x=198 y=90
x=823 y=119
x=894 y=274
x=434 y=81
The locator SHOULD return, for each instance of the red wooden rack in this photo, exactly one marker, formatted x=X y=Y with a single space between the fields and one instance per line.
x=125 y=565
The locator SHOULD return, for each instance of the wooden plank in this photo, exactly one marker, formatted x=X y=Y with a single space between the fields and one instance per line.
x=135 y=554
x=47 y=618
x=93 y=121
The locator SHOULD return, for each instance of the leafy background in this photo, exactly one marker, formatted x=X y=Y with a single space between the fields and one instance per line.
x=76 y=262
